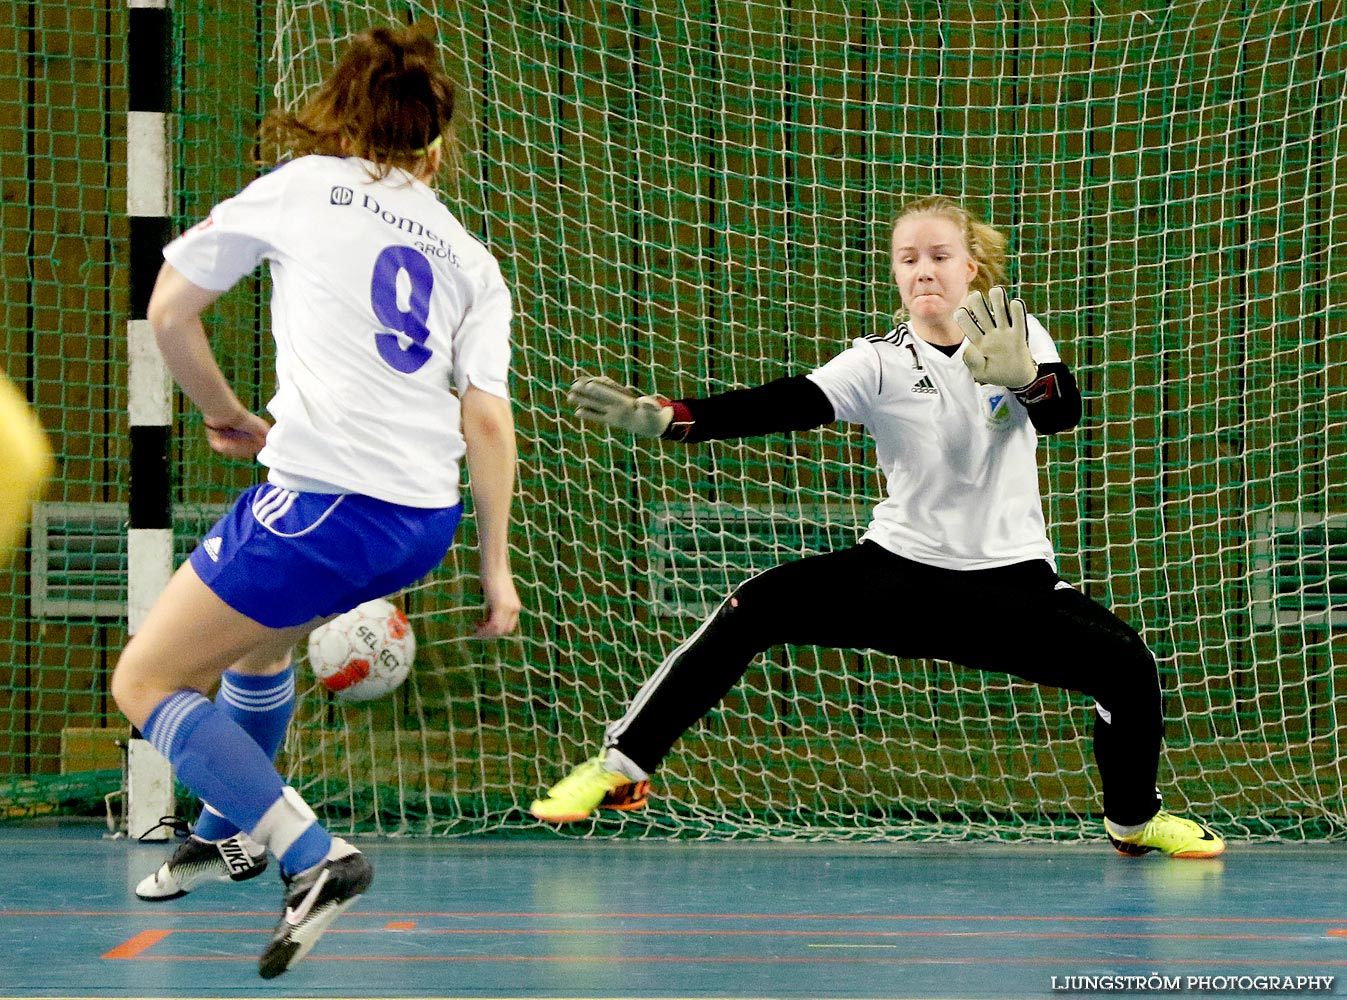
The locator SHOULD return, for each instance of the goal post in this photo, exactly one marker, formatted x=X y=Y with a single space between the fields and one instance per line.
x=696 y=196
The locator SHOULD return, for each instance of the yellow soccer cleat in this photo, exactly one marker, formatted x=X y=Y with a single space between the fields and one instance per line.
x=1169 y=834
x=589 y=787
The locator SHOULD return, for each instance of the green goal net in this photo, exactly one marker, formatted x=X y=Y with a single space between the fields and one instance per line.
x=62 y=296
x=696 y=196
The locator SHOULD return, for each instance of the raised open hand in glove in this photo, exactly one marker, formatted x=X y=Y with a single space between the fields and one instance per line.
x=998 y=339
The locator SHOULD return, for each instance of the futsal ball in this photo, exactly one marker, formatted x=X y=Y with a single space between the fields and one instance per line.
x=365 y=653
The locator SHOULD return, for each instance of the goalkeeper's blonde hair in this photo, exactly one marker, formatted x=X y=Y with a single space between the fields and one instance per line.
x=986 y=244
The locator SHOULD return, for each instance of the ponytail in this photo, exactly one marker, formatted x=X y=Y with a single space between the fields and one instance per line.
x=388 y=101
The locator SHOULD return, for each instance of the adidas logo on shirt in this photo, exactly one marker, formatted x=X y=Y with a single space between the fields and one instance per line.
x=212 y=547
x=925 y=385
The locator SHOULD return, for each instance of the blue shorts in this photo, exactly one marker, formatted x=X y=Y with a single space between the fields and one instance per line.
x=284 y=558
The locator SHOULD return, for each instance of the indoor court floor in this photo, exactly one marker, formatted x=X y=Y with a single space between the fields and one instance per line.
x=538 y=918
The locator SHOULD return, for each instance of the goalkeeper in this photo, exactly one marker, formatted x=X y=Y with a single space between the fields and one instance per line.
x=956 y=563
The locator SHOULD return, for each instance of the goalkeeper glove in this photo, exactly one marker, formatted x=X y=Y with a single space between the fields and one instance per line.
x=998 y=339
x=602 y=400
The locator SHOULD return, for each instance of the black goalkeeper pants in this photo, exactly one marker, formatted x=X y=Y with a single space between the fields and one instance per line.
x=1020 y=620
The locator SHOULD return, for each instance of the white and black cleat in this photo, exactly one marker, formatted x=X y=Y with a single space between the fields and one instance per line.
x=313 y=899
x=197 y=862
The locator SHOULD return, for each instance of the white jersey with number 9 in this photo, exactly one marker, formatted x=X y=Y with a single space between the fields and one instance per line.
x=383 y=307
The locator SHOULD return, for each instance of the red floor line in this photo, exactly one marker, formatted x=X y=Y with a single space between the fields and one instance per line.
x=687 y=933
x=853 y=917
x=998 y=935
x=990 y=960
x=955 y=917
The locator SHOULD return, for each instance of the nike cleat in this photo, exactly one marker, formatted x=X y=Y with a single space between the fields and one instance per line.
x=313 y=899
x=589 y=787
x=1169 y=834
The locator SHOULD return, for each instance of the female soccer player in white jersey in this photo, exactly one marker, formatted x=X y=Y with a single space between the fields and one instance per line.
x=392 y=329
x=955 y=399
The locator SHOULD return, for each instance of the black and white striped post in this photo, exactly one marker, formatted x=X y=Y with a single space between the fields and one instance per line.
x=149 y=783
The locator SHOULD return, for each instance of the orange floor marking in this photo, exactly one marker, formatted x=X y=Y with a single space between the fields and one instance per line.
x=134 y=946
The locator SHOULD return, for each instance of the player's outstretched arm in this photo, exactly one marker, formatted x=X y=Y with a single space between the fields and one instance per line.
x=600 y=400
x=25 y=464
x=786 y=404
x=488 y=429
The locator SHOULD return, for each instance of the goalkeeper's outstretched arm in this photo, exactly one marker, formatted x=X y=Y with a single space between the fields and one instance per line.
x=788 y=404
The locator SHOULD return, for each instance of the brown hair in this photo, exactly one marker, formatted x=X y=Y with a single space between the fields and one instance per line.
x=387 y=101
x=986 y=245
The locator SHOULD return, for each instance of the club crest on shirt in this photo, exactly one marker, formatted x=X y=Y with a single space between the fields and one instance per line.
x=341 y=195
x=996 y=406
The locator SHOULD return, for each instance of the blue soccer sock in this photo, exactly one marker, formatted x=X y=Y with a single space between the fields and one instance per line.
x=224 y=766
x=262 y=707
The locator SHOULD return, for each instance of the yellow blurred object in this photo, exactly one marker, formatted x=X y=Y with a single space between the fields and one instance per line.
x=25 y=464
